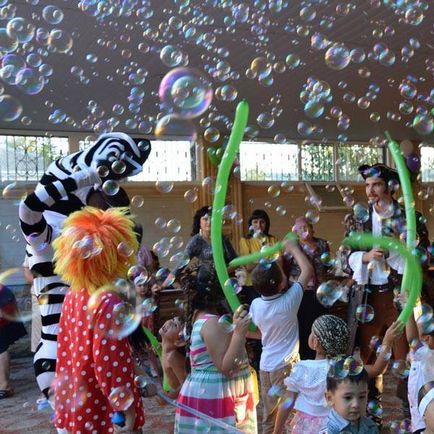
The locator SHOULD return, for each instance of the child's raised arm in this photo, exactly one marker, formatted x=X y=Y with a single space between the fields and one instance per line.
x=226 y=350
x=306 y=268
x=383 y=357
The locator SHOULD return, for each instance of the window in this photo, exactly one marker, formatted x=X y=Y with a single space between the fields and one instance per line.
x=427 y=163
x=25 y=158
x=311 y=162
x=260 y=161
x=172 y=160
x=317 y=162
x=352 y=156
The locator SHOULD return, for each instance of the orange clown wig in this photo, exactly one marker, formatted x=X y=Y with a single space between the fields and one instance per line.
x=95 y=247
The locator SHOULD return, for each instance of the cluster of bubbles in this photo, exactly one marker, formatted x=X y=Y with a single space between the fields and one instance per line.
x=315 y=95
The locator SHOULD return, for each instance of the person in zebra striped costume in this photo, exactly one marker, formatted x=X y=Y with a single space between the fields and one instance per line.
x=68 y=184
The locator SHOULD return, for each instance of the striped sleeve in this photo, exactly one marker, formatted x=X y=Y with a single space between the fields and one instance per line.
x=32 y=207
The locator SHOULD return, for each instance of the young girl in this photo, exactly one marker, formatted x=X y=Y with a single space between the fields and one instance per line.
x=220 y=383
x=329 y=338
x=173 y=360
x=95 y=368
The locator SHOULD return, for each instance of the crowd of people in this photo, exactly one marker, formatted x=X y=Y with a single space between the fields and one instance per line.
x=281 y=348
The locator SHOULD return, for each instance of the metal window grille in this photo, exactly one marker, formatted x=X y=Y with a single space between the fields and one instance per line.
x=311 y=162
x=260 y=161
x=351 y=156
x=25 y=158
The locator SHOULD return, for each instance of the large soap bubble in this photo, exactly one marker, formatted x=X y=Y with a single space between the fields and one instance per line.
x=186 y=91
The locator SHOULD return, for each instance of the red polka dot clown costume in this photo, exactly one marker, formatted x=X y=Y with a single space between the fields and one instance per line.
x=94 y=362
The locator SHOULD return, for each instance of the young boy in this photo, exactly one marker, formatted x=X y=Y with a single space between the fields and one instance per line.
x=275 y=315
x=347 y=396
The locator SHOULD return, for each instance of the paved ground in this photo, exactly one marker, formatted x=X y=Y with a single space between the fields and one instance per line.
x=19 y=415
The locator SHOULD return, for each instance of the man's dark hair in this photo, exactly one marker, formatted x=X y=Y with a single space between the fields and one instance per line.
x=335 y=377
x=267 y=277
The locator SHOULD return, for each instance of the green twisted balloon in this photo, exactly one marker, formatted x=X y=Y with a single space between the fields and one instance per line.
x=240 y=123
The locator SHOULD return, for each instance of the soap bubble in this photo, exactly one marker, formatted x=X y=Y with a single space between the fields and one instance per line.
x=10 y=108
x=329 y=292
x=124 y=320
x=60 y=41
x=273 y=190
x=281 y=210
x=423 y=124
x=375 y=343
x=21 y=29
x=400 y=369
x=52 y=14
x=125 y=249
x=138 y=274
x=365 y=313
x=211 y=134
x=361 y=213
x=30 y=81
x=88 y=247
x=147 y=308
x=102 y=171
x=327 y=259
x=337 y=57
x=179 y=260
x=225 y=322
x=110 y=187
x=163 y=275
x=312 y=216
x=201 y=426
x=160 y=222
x=121 y=398
x=374 y=408
x=8 y=43
x=338 y=368
x=164 y=186
x=118 y=167
x=174 y=226
x=137 y=201
x=233 y=285
x=171 y=56
x=173 y=126
x=191 y=196
x=186 y=91
x=353 y=365
x=275 y=390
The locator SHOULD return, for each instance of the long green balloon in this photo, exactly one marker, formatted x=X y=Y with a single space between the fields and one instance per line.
x=265 y=252
x=240 y=123
x=410 y=215
x=157 y=348
x=386 y=243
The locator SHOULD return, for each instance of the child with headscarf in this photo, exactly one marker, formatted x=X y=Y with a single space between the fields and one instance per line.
x=307 y=382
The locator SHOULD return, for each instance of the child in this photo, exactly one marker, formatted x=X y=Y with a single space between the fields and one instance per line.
x=421 y=365
x=173 y=360
x=347 y=396
x=275 y=315
x=220 y=383
x=426 y=406
x=95 y=368
x=329 y=338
